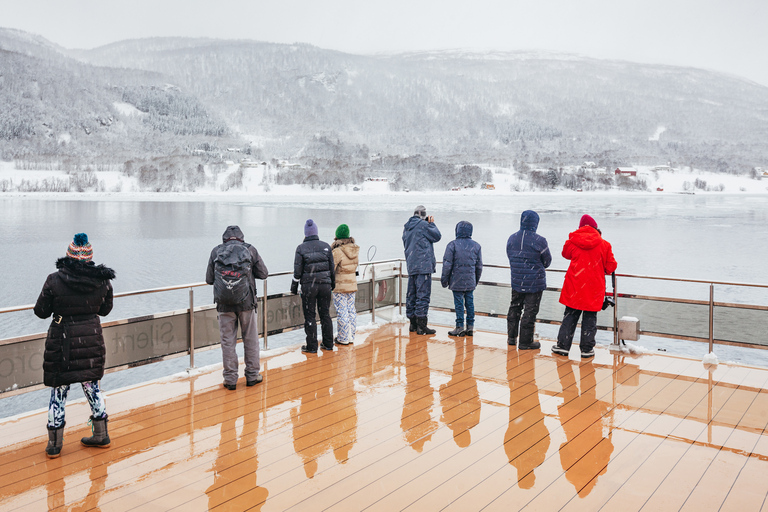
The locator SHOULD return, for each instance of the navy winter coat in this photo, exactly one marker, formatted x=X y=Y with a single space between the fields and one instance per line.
x=418 y=237
x=463 y=261
x=528 y=255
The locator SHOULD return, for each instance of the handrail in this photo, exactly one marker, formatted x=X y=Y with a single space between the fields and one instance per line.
x=12 y=309
x=397 y=271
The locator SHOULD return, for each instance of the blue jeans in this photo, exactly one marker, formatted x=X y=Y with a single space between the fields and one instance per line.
x=460 y=299
x=418 y=295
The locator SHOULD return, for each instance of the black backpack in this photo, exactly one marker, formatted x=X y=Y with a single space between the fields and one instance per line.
x=232 y=275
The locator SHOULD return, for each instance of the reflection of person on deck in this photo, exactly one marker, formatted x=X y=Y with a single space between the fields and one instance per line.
x=234 y=471
x=416 y=421
x=459 y=398
x=586 y=453
x=526 y=419
x=331 y=396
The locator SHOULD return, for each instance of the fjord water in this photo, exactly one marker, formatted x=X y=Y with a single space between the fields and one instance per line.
x=156 y=243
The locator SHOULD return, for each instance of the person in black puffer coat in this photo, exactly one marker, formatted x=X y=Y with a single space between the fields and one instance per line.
x=313 y=267
x=462 y=268
x=529 y=256
x=76 y=295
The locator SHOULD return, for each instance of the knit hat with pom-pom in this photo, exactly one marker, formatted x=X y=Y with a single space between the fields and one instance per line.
x=80 y=249
x=310 y=228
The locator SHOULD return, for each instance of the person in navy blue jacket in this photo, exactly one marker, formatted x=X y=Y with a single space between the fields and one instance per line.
x=462 y=267
x=529 y=256
x=419 y=234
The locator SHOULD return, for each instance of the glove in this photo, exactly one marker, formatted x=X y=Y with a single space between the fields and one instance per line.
x=295 y=287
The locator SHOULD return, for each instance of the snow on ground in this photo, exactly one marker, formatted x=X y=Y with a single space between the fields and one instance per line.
x=258 y=180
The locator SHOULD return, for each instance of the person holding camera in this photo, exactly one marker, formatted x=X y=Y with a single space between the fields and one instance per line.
x=419 y=235
x=583 y=290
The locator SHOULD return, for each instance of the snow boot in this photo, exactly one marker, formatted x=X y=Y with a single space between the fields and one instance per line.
x=100 y=437
x=458 y=331
x=470 y=330
x=413 y=326
x=55 y=441
x=421 y=326
x=533 y=346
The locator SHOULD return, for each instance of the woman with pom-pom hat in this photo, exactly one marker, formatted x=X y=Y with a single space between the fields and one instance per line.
x=76 y=295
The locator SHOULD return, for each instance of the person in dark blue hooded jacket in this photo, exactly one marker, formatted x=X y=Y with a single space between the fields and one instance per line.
x=462 y=267
x=419 y=234
x=529 y=256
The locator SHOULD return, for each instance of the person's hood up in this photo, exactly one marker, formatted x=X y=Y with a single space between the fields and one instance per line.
x=586 y=238
x=83 y=276
x=529 y=220
x=232 y=232
x=463 y=229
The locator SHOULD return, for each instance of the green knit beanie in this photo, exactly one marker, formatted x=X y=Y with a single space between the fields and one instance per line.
x=342 y=232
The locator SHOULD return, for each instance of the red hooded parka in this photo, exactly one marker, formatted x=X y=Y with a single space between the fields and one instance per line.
x=591 y=259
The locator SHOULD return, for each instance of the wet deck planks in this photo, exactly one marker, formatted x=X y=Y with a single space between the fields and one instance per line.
x=406 y=422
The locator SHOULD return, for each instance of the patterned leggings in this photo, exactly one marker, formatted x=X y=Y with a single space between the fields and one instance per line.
x=346 y=316
x=59 y=400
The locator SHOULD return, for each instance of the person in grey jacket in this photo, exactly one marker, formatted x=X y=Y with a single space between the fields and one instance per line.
x=462 y=267
x=529 y=256
x=313 y=267
x=419 y=235
x=233 y=256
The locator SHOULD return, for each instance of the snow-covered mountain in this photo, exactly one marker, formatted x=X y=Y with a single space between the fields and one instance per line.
x=303 y=101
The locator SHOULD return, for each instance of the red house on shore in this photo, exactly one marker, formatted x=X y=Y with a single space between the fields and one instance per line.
x=625 y=171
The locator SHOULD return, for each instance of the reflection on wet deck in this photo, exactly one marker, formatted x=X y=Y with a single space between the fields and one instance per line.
x=414 y=422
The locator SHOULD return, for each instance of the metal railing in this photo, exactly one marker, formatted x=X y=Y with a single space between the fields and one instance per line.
x=201 y=332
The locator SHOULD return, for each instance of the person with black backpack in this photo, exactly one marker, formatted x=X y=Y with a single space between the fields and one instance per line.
x=232 y=270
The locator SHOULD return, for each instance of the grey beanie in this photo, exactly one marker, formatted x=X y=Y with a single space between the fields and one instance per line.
x=310 y=228
x=421 y=211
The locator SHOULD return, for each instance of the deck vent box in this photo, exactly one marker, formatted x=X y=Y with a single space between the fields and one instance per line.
x=629 y=328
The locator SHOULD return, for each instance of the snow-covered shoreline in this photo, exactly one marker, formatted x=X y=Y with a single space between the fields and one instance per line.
x=257 y=186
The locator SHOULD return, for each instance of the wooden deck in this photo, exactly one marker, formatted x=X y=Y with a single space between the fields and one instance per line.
x=412 y=422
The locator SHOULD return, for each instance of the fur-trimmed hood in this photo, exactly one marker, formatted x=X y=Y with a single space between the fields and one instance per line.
x=83 y=275
x=348 y=247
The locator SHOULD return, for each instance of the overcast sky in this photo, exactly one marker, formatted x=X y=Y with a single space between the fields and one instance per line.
x=723 y=35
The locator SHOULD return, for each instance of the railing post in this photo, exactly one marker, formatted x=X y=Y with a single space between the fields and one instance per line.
x=400 y=290
x=264 y=310
x=373 y=294
x=615 y=312
x=191 y=327
x=711 y=317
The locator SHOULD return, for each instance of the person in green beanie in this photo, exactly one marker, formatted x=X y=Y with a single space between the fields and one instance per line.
x=345 y=254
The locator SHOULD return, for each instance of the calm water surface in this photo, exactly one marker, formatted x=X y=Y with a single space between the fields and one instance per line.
x=160 y=243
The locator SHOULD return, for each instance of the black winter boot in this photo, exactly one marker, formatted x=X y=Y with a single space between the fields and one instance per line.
x=458 y=331
x=470 y=330
x=55 y=441
x=413 y=326
x=100 y=437
x=533 y=346
x=421 y=326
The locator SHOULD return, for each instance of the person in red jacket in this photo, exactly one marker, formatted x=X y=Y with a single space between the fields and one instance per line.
x=584 y=286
